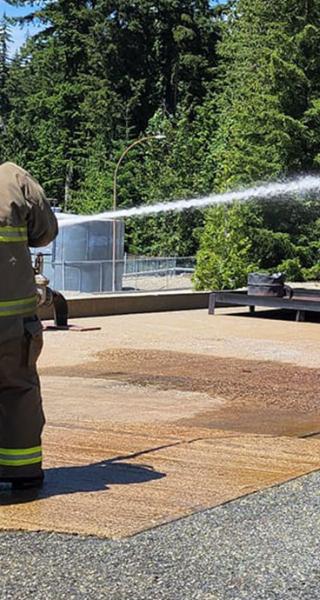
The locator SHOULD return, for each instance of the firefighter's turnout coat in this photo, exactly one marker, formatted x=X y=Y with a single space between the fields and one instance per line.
x=26 y=220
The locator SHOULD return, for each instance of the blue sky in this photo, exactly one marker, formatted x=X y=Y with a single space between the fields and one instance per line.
x=18 y=34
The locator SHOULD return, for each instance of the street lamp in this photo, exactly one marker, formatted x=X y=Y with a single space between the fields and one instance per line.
x=157 y=136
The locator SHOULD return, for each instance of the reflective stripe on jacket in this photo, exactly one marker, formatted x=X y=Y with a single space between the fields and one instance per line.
x=17 y=288
x=26 y=220
x=13 y=234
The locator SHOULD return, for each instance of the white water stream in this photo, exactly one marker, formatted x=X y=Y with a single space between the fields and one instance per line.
x=299 y=187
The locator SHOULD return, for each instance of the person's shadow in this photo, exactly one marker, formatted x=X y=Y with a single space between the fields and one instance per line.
x=87 y=478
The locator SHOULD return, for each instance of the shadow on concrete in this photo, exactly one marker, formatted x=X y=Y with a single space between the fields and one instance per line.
x=276 y=315
x=96 y=477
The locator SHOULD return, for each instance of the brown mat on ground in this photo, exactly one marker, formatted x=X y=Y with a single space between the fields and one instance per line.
x=116 y=481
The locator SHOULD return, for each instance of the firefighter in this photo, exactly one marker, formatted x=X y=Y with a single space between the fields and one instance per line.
x=26 y=220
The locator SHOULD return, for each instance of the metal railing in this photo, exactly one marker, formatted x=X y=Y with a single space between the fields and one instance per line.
x=143 y=274
x=133 y=274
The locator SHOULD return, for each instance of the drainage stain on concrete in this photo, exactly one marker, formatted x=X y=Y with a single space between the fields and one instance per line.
x=251 y=396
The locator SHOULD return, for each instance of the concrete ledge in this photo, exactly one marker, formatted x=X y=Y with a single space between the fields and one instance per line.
x=120 y=304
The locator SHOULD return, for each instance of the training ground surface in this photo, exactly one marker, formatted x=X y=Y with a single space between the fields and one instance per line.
x=186 y=447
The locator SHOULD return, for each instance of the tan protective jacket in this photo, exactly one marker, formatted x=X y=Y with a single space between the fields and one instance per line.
x=26 y=219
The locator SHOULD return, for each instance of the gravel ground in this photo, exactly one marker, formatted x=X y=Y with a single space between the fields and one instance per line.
x=263 y=547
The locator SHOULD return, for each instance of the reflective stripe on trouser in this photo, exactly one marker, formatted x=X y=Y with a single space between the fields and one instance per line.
x=14 y=457
x=21 y=414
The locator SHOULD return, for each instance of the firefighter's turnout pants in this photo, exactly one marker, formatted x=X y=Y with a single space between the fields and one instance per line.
x=21 y=414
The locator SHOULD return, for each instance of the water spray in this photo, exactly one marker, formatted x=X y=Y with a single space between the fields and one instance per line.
x=279 y=190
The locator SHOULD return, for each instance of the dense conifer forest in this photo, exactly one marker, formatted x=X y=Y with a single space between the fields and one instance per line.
x=235 y=88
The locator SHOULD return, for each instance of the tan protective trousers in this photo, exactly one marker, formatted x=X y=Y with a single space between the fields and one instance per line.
x=21 y=414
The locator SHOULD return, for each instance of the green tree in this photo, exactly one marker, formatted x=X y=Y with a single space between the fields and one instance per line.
x=224 y=258
x=47 y=125
x=260 y=104
x=5 y=39
x=100 y=70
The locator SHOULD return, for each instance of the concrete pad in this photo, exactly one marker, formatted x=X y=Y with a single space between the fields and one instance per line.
x=226 y=334
x=118 y=480
x=130 y=385
x=125 y=447
x=112 y=401
x=84 y=305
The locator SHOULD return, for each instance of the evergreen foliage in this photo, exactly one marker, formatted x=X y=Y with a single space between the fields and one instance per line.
x=224 y=258
x=235 y=88
x=265 y=102
x=5 y=39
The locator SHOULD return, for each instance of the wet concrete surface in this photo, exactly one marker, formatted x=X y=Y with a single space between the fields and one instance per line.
x=116 y=481
x=159 y=416
x=198 y=390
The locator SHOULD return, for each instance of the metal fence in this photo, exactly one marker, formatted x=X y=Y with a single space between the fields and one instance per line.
x=143 y=274
x=133 y=274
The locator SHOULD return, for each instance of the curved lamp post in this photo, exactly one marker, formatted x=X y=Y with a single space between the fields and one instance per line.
x=146 y=138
